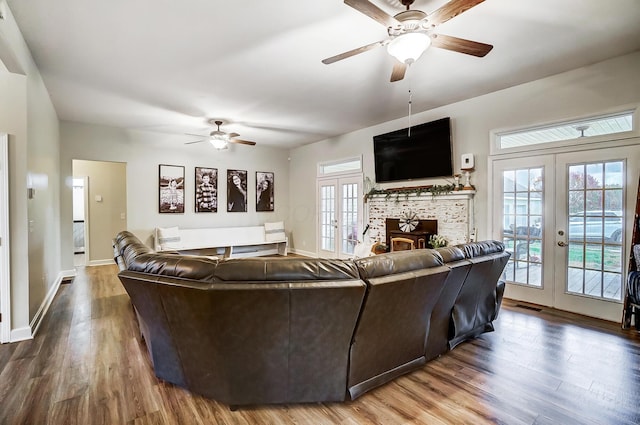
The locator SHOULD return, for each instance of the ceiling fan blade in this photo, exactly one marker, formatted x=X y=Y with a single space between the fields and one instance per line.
x=373 y=11
x=195 y=141
x=353 y=52
x=242 y=142
x=197 y=135
x=461 y=45
x=398 y=72
x=451 y=10
x=233 y=135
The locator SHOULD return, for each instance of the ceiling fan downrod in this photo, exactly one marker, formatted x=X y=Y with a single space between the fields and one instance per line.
x=407 y=3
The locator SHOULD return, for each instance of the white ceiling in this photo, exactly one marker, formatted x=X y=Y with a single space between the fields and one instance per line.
x=167 y=65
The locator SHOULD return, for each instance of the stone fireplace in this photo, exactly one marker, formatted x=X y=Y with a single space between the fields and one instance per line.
x=454 y=212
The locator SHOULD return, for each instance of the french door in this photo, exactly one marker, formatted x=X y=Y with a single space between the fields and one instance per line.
x=339 y=216
x=563 y=218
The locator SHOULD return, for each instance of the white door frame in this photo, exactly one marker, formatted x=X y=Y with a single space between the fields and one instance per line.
x=5 y=275
x=544 y=294
x=611 y=310
x=337 y=182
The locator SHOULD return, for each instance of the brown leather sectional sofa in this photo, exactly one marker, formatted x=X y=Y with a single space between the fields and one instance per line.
x=294 y=330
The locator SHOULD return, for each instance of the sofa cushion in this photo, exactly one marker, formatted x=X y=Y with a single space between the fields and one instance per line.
x=274 y=232
x=450 y=254
x=183 y=266
x=477 y=249
x=397 y=262
x=169 y=238
x=284 y=269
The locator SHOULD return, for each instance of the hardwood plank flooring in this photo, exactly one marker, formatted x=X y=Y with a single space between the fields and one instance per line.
x=87 y=365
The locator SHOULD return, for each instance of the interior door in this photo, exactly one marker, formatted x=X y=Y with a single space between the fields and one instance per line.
x=563 y=217
x=339 y=216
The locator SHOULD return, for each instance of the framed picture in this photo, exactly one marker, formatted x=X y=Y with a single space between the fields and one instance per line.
x=264 y=191
x=236 y=190
x=206 y=193
x=171 y=188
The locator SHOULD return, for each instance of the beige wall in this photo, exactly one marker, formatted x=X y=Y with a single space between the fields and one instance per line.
x=27 y=114
x=13 y=120
x=585 y=91
x=107 y=204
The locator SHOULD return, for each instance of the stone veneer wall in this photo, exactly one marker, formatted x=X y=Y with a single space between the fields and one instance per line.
x=453 y=211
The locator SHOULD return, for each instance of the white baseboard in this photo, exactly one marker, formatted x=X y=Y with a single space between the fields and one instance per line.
x=20 y=334
x=101 y=262
x=67 y=275
x=305 y=253
x=46 y=303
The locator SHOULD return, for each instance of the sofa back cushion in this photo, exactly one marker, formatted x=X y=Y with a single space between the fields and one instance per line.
x=128 y=247
x=397 y=262
x=450 y=254
x=477 y=249
x=175 y=265
x=284 y=269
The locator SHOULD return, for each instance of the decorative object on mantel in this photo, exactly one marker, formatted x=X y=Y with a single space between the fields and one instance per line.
x=467 y=181
x=437 y=241
x=468 y=163
x=434 y=190
x=456 y=178
x=409 y=222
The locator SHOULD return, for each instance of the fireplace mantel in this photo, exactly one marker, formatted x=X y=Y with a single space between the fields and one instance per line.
x=391 y=197
x=454 y=212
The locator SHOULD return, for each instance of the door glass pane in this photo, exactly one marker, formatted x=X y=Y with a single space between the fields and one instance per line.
x=596 y=217
x=523 y=225
x=349 y=222
x=327 y=218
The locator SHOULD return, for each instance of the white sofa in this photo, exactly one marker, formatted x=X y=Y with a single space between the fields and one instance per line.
x=231 y=242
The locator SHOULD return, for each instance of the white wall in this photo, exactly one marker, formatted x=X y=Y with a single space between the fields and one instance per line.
x=27 y=114
x=143 y=152
x=581 y=92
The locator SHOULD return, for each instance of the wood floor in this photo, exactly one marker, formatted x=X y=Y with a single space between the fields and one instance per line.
x=88 y=366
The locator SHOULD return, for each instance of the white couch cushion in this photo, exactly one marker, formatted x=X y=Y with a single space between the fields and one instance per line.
x=274 y=232
x=169 y=238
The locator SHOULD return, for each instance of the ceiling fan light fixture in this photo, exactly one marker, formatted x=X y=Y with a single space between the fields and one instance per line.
x=407 y=48
x=219 y=141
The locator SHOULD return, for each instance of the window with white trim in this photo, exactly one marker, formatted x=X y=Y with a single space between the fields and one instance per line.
x=569 y=130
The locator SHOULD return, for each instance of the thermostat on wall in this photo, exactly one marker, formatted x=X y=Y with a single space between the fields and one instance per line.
x=467 y=161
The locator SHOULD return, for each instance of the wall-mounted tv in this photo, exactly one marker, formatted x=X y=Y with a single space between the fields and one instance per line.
x=426 y=153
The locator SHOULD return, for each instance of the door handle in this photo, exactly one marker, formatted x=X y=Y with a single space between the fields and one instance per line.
x=562 y=244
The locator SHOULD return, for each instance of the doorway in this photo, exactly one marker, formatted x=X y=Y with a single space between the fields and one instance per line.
x=339 y=215
x=80 y=222
x=104 y=206
x=563 y=218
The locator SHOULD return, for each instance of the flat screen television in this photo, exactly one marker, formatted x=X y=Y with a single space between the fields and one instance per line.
x=424 y=154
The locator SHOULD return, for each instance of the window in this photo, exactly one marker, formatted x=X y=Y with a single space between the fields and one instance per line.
x=569 y=130
x=349 y=165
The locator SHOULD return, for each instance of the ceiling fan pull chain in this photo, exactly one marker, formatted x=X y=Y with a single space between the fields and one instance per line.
x=409 y=130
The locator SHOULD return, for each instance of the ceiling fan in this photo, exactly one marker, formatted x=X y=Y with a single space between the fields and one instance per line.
x=220 y=139
x=411 y=32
